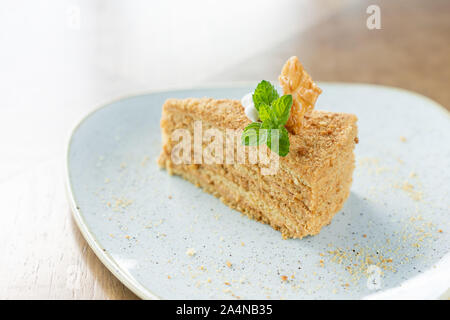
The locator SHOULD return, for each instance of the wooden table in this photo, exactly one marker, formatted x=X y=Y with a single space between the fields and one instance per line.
x=57 y=62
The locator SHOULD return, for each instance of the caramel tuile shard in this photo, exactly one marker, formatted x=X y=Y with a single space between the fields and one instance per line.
x=295 y=81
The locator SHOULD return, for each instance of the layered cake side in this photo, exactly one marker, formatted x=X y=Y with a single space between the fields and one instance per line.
x=309 y=186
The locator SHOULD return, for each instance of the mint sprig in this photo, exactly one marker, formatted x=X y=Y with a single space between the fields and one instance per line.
x=273 y=112
x=265 y=93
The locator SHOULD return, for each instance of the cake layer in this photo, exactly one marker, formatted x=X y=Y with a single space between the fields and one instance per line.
x=324 y=134
x=310 y=185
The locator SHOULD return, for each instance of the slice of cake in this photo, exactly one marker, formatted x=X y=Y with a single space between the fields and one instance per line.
x=305 y=189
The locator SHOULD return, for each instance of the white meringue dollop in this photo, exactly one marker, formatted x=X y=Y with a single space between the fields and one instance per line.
x=249 y=107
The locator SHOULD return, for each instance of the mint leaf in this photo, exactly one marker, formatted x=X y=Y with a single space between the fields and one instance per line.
x=274 y=112
x=264 y=112
x=250 y=136
x=267 y=125
x=265 y=93
x=263 y=135
x=267 y=115
x=283 y=148
x=278 y=141
x=282 y=108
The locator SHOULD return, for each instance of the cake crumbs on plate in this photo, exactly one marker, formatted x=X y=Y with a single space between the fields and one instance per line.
x=409 y=189
x=144 y=162
x=121 y=203
x=191 y=252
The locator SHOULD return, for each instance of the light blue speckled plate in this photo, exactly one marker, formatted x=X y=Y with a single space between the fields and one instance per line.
x=391 y=240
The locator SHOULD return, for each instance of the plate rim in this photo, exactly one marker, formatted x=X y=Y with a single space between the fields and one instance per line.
x=131 y=283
